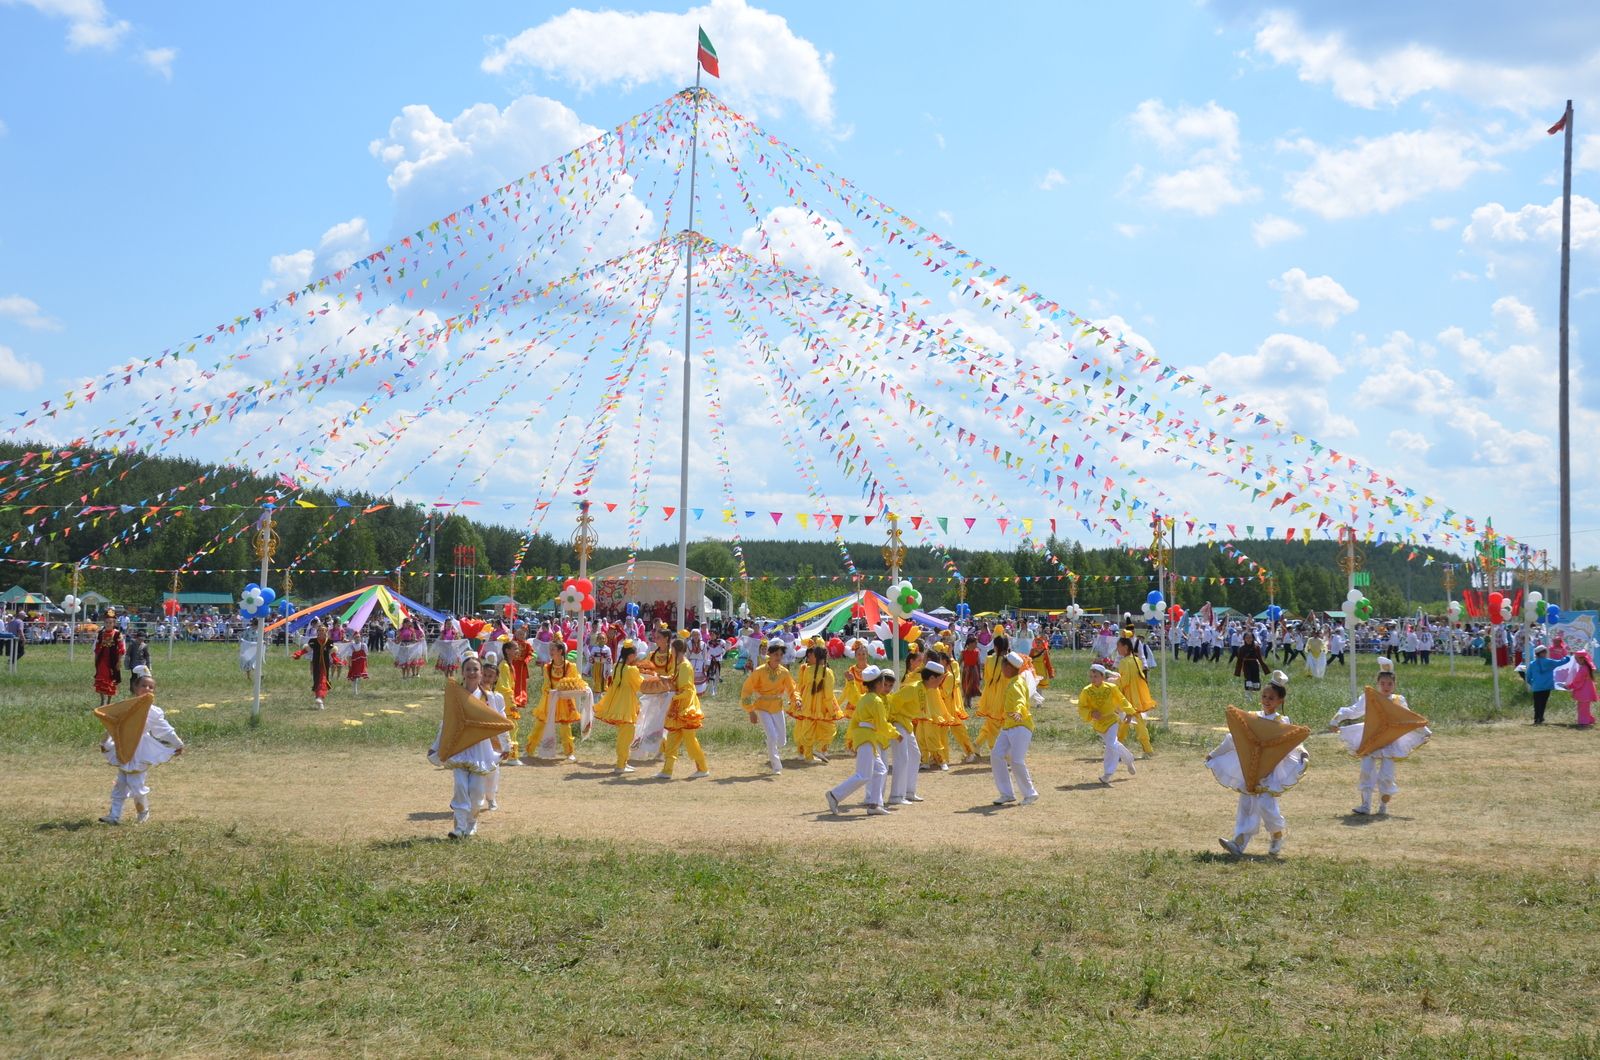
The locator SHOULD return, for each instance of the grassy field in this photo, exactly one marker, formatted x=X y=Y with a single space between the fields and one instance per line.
x=605 y=917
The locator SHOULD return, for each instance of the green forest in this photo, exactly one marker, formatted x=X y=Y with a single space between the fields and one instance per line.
x=1306 y=576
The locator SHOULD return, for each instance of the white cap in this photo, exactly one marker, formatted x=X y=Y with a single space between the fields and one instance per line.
x=870 y=674
x=491 y=657
x=1104 y=671
x=1385 y=666
x=1279 y=679
x=141 y=671
x=933 y=667
x=1016 y=659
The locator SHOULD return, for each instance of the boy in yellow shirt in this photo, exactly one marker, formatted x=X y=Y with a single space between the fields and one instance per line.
x=1010 y=758
x=867 y=735
x=768 y=692
x=1103 y=707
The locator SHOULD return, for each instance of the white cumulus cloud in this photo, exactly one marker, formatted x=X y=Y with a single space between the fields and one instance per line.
x=1052 y=180
x=341 y=245
x=160 y=60
x=1521 y=317
x=1286 y=377
x=26 y=312
x=1319 y=300
x=16 y=373
x=1206 y=139
x=764 y=63
x=1493 y=223
x=1377 y=175
x=1274 y=229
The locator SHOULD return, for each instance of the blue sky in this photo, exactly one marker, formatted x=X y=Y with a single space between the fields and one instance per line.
x=1343 y=217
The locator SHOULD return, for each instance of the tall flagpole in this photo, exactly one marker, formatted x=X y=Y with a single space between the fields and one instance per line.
x=688 y=322
x=1566 y=435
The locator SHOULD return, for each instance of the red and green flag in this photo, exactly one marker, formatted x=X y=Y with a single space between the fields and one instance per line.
x=708 y=55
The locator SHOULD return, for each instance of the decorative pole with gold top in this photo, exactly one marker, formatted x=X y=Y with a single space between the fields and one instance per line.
x=266 y=543
x=894 y=553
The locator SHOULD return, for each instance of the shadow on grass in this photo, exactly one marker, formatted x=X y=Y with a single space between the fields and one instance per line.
x=757 y=778
x=1206 y=857
x=989 y=809
x=1090 y=785
x=412 y=843
x=66 y=826
x=430 y=815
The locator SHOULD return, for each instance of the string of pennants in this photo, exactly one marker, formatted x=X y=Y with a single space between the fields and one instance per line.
x=858 y=368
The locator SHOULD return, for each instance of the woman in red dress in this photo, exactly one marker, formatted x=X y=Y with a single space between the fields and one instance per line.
x=108 y=650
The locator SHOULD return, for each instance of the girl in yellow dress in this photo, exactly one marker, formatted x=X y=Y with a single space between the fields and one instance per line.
x=1134 y=684
x=1039 y=657
x=1102 y=707
x=561 y=674
x=854 y=689
x=953 y=713
x=684 y=717
x=620 y=705
x=989 y=701
x=817 y=714
x=769 y=691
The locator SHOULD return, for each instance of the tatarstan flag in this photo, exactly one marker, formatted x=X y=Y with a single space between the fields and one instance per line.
x=708 y=55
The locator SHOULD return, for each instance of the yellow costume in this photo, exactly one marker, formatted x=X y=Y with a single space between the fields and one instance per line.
x=953 y=714
x=1135 y=688
x=930 y=728
x=570 y=679
x=620 y=707
x=1039 y=656
x=989 y=702
x=869 y=724
x=853 y=688
x=769 y=691
x=1016 y=705
x=1098 y=705
x=908 y=704
x=816 y=716
x=683 y=718
x=655 y=670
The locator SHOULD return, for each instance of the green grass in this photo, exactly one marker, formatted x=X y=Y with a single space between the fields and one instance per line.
x=48 y=703
x=204 y=941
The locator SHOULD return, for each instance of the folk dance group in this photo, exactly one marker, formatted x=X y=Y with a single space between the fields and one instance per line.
x=893 y=733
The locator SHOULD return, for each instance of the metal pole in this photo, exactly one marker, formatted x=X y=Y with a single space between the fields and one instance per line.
x=265 y=544
x=1566 y=427
x=72 y=620
x=688 y=320
x=1350 y=614
x=433 y=566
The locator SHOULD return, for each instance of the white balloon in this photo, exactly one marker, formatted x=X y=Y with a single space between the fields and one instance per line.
x=1353 y=595
x=1535 y=596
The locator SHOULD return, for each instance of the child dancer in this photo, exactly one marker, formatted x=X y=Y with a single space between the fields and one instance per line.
x=1039 y=654
x=1134 y=684
x=1258 y=796
x=504 y=744
x=475 y=763
x=683 y=717
x=989 y=705
x=620 y=705
x=1102 y=706
x=357 y=671
x=953 y=714
x=816 y=715
x=140 y=747
x=867 y=735
x=767 y=692
x=906 y=708
x=561 y=674
x=1010 y=758
x=1577 y=675
x=108 y=652
x=320 y=648
x=1380 y=741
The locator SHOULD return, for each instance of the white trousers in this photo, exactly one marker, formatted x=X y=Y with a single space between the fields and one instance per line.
x=870 y=771
x=1255 y=811
x=128 y=786
x=773 y=723
x=1377 y=774
x=1115 y=755
x=907 y=763
x=1010 y=761
x=470 y=790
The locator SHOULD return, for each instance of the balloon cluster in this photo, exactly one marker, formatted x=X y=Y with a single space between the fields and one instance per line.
x=903 y=598
x=256 y=601
x=509 y=609
x=172 y=607
x=1455 y=610
x=1274 y=612
x=1358 y=605
x=1175 y=614
x=577 y=594
x=1500 y=609
x=964 y=611
x=632 y=610
x=1074 y=612
x=1154 y=607
x=70 y=604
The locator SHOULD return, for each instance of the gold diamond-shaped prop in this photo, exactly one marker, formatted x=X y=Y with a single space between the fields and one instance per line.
x=124 y=720
x=467 y=720
x=1386 y=721
x=1261 y=744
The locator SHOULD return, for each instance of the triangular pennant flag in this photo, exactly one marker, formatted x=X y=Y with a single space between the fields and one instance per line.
x=1261 y=744
x=467 y=720
x=125 y=720
x=1386 y=722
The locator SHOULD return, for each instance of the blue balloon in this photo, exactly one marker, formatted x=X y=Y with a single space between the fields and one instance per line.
x=963 y=610
x=1154 y=598
x=285 y=607
x=1552 y=615
x=1274 y=612
x=632 y=610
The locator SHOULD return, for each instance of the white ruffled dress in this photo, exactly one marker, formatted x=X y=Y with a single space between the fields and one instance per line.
x=1400 y=748
x=158 y=744
x=1224 y=765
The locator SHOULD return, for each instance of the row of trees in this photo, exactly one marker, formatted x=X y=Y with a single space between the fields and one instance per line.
x=344 y=539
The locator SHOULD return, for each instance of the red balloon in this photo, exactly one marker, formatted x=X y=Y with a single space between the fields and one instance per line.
x=572 y=645
x=509 y=610
x=583 y=585
x=588 y=603
x=171 y=607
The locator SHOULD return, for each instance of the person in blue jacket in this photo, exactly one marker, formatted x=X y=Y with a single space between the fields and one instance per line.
x=1541 y=677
